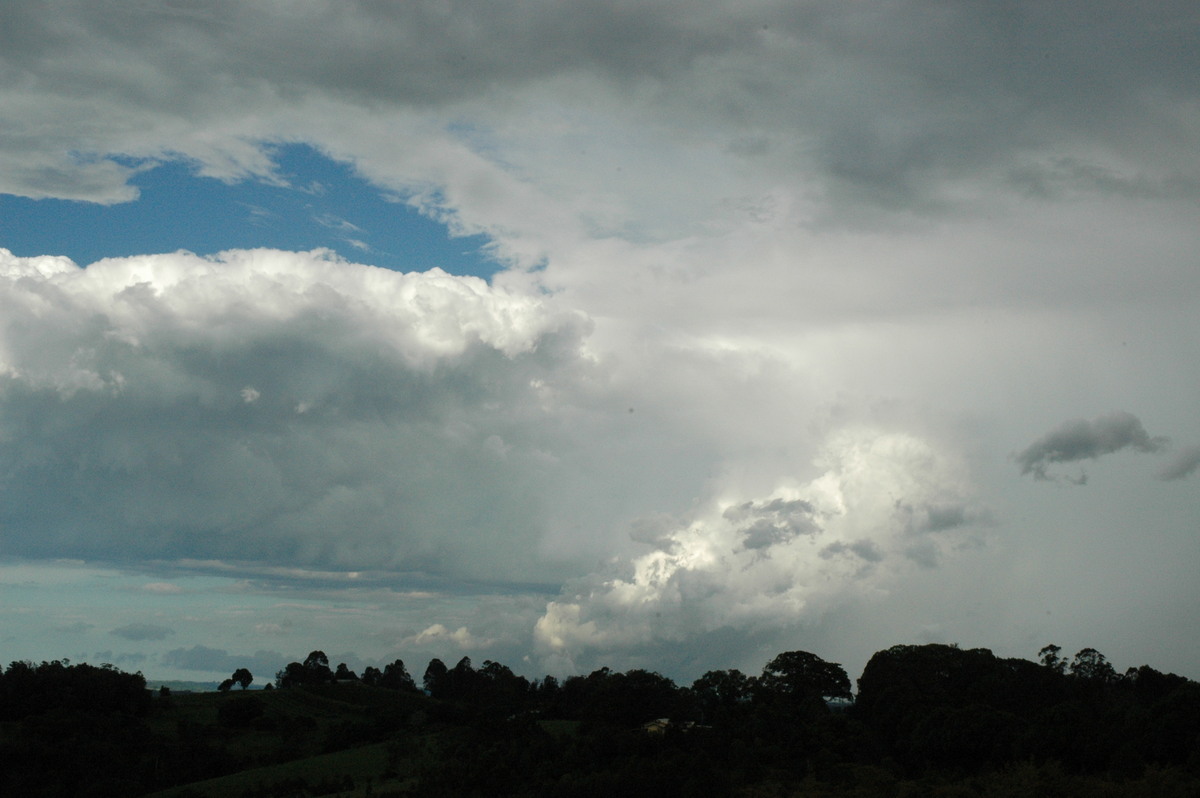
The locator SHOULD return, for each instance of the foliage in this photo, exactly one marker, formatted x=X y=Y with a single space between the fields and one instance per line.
x=928 y=720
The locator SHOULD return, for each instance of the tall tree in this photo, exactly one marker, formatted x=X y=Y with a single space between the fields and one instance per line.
x=395 y=677
x=434 y=681
x=1091 y=665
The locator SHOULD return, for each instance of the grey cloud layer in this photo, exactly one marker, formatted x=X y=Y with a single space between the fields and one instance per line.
x=889 y=98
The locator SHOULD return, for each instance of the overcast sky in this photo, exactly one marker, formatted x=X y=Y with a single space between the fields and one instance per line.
x=567 y=334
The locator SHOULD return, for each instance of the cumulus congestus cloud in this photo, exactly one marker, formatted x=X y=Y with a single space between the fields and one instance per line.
x=766 y=565
x=274 y=407
x=1086 y=440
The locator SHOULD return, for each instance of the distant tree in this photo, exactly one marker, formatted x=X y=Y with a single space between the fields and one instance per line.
x=719 y=694
x=1091 y=665
x=434 y=680
x=801 y=675
x=462 y=680
x=344 y=673
x=1049 y=657
x=371 y=676
x=226 y=685
x=1151 y=685
x=28 y=689
x=395 y=677
x=316 y=668
x=292 y=675
x=243 y=677
x=500 y=687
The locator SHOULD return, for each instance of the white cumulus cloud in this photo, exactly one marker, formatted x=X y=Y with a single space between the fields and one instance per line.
x=774 y=562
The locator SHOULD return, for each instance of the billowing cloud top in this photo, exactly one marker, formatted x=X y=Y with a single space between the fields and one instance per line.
x=270 y=406
x=883 y=502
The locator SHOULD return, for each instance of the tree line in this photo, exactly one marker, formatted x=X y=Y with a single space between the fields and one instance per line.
x=922 y=714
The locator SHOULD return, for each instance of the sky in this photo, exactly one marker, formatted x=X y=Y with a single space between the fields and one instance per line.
x=578 y=334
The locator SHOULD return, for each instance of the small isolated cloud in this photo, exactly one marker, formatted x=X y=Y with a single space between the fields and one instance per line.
x=437 y=633
x=142 y=631
x=162 y=588
x=250 y=395
x=1183 y=464
x=336 y=223
x=1086 y=440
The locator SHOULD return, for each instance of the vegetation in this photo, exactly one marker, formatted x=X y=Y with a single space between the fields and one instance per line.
x=927 y=720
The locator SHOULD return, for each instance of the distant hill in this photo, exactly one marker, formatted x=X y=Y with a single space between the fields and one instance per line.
x=179 y=686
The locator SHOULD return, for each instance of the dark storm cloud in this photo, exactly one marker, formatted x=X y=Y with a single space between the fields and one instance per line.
x=1086 y=440
x=142 y=631
x=884 y=100
x=1183 y=464
x=413 y=52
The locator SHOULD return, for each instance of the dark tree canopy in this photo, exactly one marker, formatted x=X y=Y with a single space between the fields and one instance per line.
x=395 y=677
x=1091 y=665
x=929 y=719
x=243 y=677
x=803 y=675
x=434 y=680
x=313 y=671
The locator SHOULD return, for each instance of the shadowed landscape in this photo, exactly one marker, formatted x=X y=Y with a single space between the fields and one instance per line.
x=925 y=720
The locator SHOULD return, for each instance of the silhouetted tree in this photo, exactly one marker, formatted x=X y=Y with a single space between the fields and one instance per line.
x=720 y=695
x=316 y=666
x=1048 y=656
x=395 y=677
x=292 y=675
x=434 y=680
x=1091 y=665
x=243 y=677
x=801 y=675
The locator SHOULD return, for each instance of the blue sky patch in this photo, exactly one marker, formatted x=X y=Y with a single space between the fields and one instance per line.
x=323 y=204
